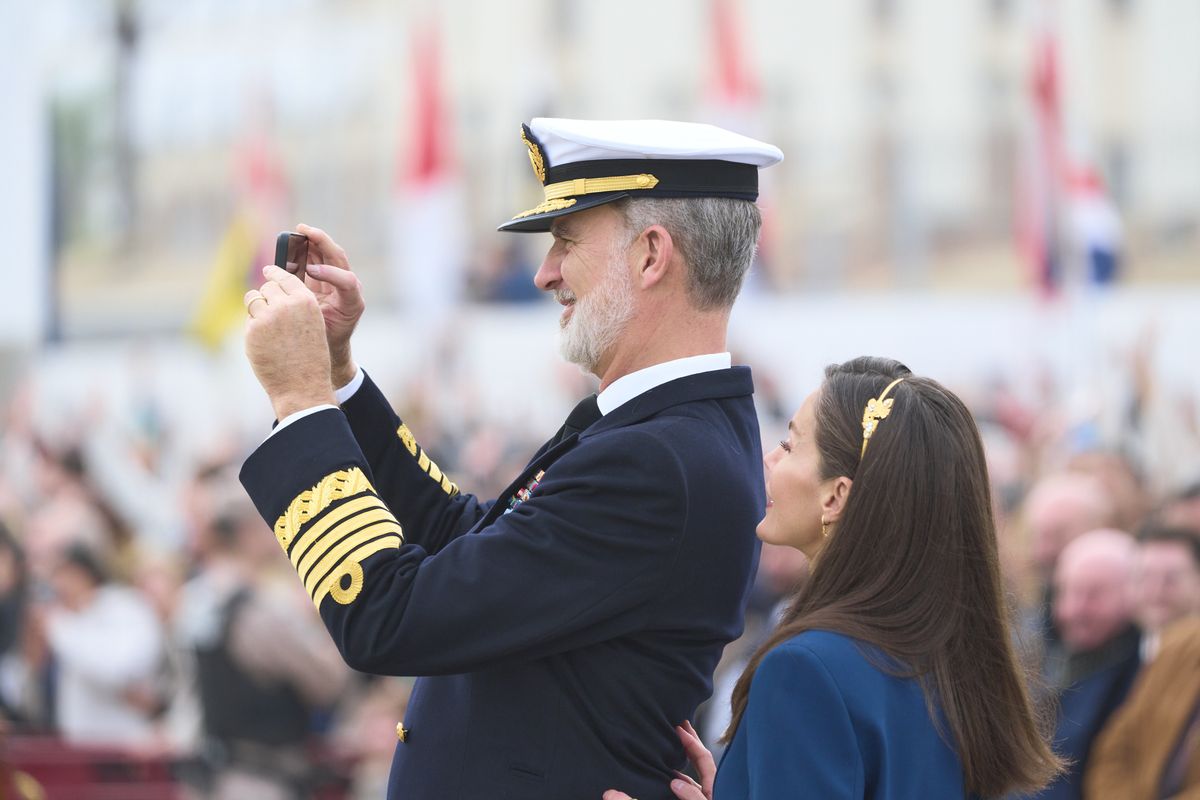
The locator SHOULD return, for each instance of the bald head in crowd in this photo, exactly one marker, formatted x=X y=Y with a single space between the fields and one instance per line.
x=1058 y=509
x=1093 y=588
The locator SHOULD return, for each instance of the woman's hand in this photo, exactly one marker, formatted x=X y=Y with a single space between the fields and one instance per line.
x=701 y=759
x=684 y=787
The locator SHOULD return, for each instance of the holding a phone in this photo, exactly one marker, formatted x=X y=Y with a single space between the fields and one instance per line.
x=291 y=253
x=309 y=254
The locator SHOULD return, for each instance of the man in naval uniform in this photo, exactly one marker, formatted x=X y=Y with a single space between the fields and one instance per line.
x=562 y=630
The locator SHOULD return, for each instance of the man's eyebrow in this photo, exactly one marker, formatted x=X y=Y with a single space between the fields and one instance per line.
x=791 y=426
x=560 y=227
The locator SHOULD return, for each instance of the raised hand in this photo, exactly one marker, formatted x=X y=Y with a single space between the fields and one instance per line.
x=285 y=343
x=339 y=296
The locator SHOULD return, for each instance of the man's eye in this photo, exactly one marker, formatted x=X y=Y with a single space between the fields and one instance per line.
x=787 y=447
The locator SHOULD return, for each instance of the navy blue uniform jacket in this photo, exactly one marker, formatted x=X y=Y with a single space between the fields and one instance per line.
x=564 y=629
x=824 y=721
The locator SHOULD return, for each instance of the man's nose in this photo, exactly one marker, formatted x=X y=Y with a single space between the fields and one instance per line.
x=549 y=275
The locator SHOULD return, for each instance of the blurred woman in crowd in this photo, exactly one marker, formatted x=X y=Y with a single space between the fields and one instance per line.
x=892 y=674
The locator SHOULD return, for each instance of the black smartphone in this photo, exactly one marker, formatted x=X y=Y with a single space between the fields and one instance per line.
x=291 y=253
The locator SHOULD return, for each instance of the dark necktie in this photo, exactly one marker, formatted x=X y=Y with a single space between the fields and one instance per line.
x=580 y=418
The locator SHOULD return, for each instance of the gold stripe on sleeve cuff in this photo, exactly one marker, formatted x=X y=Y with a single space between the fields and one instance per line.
x=311 y=502
x=332 y=556
x=324 y=544
x=333 y=518
x=352 y=568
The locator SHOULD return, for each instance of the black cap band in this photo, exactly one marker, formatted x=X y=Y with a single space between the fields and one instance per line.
x=676 y=177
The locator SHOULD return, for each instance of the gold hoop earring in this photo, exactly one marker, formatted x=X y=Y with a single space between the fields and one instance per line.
x=824 y=528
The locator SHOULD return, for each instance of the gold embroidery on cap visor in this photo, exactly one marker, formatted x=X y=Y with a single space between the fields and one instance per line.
x=563 y=194
x=877 y=408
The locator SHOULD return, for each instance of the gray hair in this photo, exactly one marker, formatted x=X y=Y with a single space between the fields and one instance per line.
x=716 y=236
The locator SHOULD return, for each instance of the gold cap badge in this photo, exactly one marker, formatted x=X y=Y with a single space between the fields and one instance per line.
x=535 y=154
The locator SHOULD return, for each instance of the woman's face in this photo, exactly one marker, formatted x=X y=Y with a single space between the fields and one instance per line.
x=796 y=495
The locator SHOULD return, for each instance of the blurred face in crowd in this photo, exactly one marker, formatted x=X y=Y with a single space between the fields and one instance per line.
x=1093 y=584
x=797 y=496
x=1168 y=583
x=588 y=273
x=1183 y=513
x=73 y=586
x=1060 y=508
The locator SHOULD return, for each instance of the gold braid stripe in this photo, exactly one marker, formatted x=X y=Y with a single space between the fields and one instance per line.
x=309 y=503
x=351 y=567
x=335 y=516
x=613 y=183
x=426 y=464
x=326 y=543
x=388 y=529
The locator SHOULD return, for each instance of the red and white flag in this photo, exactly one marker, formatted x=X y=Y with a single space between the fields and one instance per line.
x=1039 y=185
x=428 y=245
x=734 y=99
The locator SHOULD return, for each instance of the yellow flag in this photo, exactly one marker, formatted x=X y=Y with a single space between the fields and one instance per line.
x=220 y=309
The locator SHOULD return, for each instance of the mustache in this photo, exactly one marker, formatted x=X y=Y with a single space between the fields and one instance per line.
x=563 y=296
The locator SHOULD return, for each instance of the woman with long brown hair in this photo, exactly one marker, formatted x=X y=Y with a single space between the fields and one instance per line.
x=892 y=675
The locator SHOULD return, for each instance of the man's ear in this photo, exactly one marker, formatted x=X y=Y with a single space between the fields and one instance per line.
x=834 y=493
x=655 y=252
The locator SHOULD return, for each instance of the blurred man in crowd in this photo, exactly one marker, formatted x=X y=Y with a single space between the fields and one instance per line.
x=1093 y=609
x=1060 y=507
x=1168 y=581
x=1121 y=481
x=1182 y=509
x=107 y=648
x=262 y=669
x=1150 y=748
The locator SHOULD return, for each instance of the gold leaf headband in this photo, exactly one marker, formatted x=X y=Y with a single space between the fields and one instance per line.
x=877 y=408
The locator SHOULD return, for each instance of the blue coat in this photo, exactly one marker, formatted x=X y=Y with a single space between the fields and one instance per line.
x=564 y=629
x=824 y=722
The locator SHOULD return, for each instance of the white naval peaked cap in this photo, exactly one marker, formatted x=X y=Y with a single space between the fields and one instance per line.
x=586 y=163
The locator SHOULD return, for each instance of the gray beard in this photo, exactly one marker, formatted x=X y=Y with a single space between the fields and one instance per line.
x=598 y=319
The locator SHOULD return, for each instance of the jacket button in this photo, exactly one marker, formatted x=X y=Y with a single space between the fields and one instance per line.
x=401 y=732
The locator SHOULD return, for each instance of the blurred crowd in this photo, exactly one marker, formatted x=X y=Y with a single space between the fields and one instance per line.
x=145 y=607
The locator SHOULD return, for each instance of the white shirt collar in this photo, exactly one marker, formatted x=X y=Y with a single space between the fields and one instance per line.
x=627 y=387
